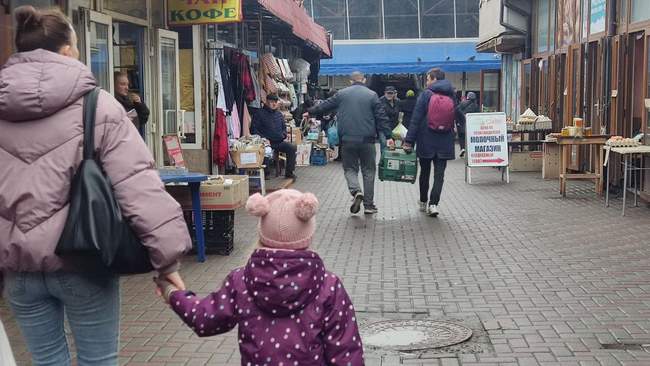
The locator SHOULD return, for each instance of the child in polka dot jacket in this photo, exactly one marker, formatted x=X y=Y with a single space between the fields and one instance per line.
x=289 y=309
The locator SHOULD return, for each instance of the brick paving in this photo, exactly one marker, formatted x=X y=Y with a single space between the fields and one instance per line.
x=549 y=279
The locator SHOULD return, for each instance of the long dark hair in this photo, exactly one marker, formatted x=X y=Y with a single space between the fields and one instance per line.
x=48 y=29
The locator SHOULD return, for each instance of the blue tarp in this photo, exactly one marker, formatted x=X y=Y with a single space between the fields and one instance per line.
x=407 y=58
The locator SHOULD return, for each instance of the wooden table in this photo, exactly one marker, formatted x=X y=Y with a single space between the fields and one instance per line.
x=595 y=143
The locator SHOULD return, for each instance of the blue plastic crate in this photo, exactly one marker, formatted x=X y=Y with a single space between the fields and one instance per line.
x=319 y=160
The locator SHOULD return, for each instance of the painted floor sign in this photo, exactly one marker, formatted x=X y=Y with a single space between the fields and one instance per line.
x=487 y=139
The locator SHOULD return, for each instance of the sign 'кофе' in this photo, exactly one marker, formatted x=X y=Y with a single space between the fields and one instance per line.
x=189 y=12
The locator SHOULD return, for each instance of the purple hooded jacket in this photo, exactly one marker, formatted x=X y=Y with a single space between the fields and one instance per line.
x=289 y=310
x=41 y=143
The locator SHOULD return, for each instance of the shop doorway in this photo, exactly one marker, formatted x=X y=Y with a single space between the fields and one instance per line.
x=99 y=50
x=635 y=101
x=169 y=113
x=129 y=58
x=490 y=96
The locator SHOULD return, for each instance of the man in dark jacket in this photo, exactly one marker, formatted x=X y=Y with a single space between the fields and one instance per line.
x=131 y=101
x=433 y=147
x=268 y=122
x=391 y=106
x=466 y=106
x=407 y=106
x=361 y=121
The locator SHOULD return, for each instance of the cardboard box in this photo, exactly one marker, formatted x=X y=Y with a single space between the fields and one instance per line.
x=296 y=136
x=303 y=154
x=251 y=158
x=551 y=161
x=526 y=161
x=219 y=193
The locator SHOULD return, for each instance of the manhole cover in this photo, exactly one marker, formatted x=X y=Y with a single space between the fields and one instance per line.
x=413 y=335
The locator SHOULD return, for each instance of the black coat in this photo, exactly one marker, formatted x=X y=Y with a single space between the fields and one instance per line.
x=466 y=106
x=430 y=144
x=407 y=106
x=141 y=109
x=392 y=111
x=270 y=125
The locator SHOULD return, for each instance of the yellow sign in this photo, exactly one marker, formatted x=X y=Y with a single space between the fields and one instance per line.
x=188 y=12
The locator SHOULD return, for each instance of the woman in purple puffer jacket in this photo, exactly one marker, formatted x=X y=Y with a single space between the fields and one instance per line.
x=41 y=143
x=289 y=309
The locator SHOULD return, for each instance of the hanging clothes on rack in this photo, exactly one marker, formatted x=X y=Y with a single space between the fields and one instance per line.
x=236 y=122
x=227 y=85
x=257 y=102
x=221 y=93
x=220 y=139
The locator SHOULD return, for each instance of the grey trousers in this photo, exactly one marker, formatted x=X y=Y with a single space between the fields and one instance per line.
x=362 y=156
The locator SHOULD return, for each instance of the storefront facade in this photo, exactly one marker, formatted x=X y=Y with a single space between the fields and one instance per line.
x=169 y=56
x=584 y=59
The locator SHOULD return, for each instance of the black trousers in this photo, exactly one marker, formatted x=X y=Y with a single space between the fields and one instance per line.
x=439 y=166
x=290 y=151
x=461 y=139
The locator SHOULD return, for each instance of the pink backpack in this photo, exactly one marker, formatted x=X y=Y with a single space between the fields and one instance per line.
x=440 y=114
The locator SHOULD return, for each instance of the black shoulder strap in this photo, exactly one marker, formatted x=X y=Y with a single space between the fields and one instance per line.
x=90 y=109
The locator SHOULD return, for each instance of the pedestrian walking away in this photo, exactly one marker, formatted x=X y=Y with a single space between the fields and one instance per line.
x=391 y=105
x=468 y=105
x=432 y=134
x=407 y=106
x=361 y=122
x=42 y=89
x=289 y=309
x=268 y=122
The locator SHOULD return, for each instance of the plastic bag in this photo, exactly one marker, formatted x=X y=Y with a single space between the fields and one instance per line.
x=333 y=135
x=399 y=132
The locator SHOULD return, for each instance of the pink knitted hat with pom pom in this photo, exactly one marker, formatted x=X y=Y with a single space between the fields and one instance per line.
x=286 y=218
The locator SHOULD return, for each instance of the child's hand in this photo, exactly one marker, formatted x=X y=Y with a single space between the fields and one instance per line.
x=164 y=288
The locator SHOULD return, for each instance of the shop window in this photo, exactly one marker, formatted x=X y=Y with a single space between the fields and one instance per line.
x=584 y=12
x=437 y=18
x=542 y=25
x=552 y=22
x=401 y=19
x=597 y=16
x=227 y=33
x=466 y=18
x=365 y=19
x=570 y=22
x=134 y=8
x=34 y=3
x=640 y=10
x=528 y=74
x=189 y=97
x=331 y=14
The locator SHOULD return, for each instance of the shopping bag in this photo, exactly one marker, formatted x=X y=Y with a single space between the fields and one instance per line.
x=333 y=134
x=399 y=132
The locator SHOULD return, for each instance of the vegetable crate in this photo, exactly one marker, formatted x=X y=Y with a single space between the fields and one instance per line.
x=319 y=157
x=218 y=230
x=398 y=166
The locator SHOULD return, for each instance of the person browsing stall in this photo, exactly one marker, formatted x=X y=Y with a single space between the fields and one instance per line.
x=268 y=122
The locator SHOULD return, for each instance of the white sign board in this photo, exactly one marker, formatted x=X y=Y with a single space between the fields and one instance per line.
x=487 y=139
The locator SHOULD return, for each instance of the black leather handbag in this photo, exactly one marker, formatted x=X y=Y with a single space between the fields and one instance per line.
x=95 y=225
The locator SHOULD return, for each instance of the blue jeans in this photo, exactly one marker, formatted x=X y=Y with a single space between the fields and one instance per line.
x=91 y=303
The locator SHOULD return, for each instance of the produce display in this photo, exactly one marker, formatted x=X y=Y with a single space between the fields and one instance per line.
x=620 y=141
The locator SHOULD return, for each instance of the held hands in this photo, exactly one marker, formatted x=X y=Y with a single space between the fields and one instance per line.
x=136 y=99
x=167 y=284
x=408 y=148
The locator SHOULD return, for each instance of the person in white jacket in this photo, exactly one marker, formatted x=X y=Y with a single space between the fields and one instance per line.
x=6 y=356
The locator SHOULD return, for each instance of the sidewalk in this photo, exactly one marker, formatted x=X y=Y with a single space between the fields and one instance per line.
x=548 y=279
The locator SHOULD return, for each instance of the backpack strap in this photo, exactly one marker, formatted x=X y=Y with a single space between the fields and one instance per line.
x=89 y=112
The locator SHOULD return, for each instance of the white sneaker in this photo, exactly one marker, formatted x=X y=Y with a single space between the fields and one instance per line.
x=423 y=206
x=462 y=153
x=432 y=211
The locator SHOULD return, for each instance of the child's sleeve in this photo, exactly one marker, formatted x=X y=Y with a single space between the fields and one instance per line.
x=341 y=334
x=215 y=314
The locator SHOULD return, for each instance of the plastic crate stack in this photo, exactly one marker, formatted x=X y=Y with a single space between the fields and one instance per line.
x=218 y=229
x=319 y=157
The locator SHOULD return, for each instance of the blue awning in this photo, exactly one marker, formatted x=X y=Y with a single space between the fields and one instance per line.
x=407 y=58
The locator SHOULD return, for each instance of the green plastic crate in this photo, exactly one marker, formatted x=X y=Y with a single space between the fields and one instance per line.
x=398 y=166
